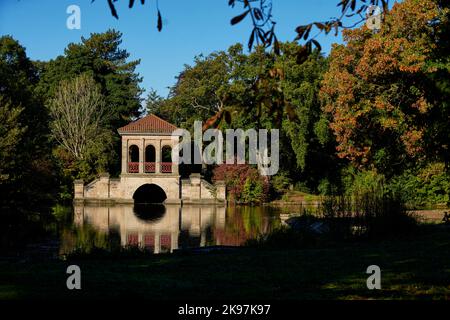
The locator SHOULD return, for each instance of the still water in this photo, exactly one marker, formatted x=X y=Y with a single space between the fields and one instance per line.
x=163 y=229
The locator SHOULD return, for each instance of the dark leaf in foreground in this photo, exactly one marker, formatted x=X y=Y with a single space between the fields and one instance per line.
x=239 y=18
x=251 y=40
x=317 y=44
x=276 y=46
x=160 y=24
x=113 y=9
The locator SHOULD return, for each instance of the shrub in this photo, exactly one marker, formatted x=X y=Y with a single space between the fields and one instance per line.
x=244 y=183
x=280 y=182
x=429 y=187
x=253 y=191
x=363 y=182
x=302 y=187
x=325 y=187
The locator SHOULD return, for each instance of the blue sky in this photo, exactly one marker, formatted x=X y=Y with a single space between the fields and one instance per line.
x=190 y=28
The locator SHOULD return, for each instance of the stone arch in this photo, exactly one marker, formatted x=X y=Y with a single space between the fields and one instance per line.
x=150 y=159
x=166 y=159
x=133 y=153
x=166 y=153
x=150 y=153
x=149 y=193
x=133 y=159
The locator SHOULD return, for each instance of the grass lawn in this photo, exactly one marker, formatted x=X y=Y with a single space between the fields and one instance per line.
x=416 y=267
x=296 y=197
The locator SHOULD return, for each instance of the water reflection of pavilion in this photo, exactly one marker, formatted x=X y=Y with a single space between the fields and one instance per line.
x=159 y=231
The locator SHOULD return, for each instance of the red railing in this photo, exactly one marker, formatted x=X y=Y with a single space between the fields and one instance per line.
x=166 y=167
x=133 y=167
x=149 y=241
x=165 y=240
x=132 y=239
x=149 y=167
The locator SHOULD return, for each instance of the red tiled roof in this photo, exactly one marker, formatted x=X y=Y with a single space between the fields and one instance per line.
x=148 y=124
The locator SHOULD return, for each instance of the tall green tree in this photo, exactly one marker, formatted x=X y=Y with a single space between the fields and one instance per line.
x=11 y=133
x=154 y=102
x=203 y=89
x=101 y=56
x=308 y=134
x=26 y=165
x=78 y=125
x=232 y=89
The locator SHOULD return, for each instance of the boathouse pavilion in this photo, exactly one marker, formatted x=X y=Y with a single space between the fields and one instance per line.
x=148 y=174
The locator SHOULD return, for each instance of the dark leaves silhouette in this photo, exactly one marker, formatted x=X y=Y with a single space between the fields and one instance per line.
x=239 y=18
x=160 y=24
x=263 y=32
x=113 y=9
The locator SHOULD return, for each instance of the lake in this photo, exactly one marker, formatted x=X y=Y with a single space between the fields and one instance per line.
x=165 y=228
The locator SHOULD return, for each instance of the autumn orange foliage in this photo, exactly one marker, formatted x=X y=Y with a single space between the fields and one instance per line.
x=375 y=89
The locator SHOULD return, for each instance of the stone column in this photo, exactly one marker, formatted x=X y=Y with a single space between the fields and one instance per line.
x=174 y=241
x=123 y=237
x=140 y=240
x=157 y=242
x=221 y=193
x=78 y=216
x=124 y=155
x=195 y=180
x=196 y=228
x=174 y=165
x=202 y=238
x=79 y=189
x=141 y=156
x=158 y=156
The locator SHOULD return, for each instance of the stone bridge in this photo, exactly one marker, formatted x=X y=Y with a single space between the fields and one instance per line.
x=148 y=173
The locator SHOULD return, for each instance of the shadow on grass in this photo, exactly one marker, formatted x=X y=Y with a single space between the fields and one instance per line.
x=413 y=267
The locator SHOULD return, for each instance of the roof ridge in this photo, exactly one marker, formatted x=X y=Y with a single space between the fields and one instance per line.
x=150 y=123
x=152 y=114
